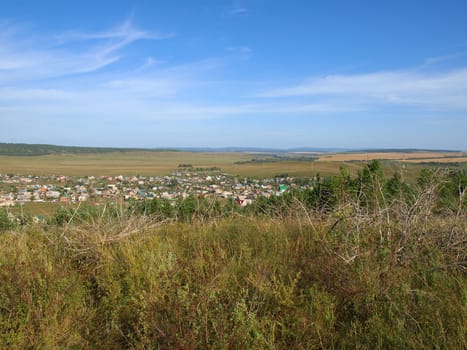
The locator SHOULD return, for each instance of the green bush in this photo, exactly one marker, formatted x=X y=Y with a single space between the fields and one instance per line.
x=6 y=223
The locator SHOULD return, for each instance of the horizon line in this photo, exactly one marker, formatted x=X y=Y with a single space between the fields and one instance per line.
x=244 y=148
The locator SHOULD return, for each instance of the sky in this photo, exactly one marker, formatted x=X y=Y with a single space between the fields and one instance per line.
x=257 y=73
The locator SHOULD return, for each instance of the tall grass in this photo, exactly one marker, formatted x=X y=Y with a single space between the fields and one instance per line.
x=373 y=270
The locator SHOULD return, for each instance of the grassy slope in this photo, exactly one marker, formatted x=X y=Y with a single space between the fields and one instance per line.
x=369 y=263
x=238 y=283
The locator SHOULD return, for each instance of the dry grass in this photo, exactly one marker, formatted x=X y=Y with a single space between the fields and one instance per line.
x=122 y=163
x=292 y=168
x=367 y=156
x=377 y=269
x=163 y=163
x=244 y=283
x=157 y=163
x=438 y=160
x=37 y=208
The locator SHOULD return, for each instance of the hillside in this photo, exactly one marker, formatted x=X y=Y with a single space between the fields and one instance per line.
x=356 y=262
x=23 y=149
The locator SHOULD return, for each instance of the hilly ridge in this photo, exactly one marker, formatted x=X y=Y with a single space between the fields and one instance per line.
x=24 y=149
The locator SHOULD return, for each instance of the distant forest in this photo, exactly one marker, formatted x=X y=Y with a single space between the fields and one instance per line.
x=23 y=149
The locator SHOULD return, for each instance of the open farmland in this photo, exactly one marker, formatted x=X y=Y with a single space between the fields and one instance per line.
x=121 y=163
x=236 y=163
x=414 y=156
x=439 y=160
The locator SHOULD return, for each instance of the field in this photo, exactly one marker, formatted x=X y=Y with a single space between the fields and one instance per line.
x=438 y=160
x=414 y=156
x=163 y=163
x=38 y=208
x=118 y=163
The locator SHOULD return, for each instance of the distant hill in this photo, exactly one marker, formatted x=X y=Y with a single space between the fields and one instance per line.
x=23 y=149
x=260 y=149
x=402 y=150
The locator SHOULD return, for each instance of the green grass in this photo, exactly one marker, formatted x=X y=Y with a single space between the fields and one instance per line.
x=302 y=280
x=36 y=208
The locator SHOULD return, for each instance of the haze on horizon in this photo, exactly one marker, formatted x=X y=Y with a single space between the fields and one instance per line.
x=256 y=73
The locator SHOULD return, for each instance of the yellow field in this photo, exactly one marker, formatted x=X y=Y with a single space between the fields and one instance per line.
x=122 y=163
x=438 y=160
x=403 y=156
x=163 y=163
x=159 y=163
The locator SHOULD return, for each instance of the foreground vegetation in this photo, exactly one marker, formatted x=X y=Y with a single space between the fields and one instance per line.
x=357 y=262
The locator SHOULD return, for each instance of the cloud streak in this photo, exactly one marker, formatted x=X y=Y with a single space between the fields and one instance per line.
x=443 y=90
x=146 y=100
x=238 y=11
x=42 y=61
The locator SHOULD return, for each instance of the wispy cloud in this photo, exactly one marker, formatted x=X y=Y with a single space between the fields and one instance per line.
x=442 y=89
x=125 y=31
x=40 y=60
x=145 y=87
x=244 y=52
x=434 y=61
x=238 y=10
x=30 y=94
x=148 y=99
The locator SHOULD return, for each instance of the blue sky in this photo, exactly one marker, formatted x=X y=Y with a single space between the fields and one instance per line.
x=352 y=74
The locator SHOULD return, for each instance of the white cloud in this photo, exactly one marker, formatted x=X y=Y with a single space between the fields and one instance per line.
x=238 y=11
x=126 y=31
x=29 y=94
x=433 y=61
x=20 y=59
x=145 y=86
x=243 y=52
x=153 y=100
x=444 y=90
x=191 y=90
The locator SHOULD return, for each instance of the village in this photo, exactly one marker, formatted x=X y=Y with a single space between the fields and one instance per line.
x=184 y=182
